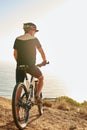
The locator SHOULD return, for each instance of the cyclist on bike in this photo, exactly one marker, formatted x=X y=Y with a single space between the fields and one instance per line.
x=25 y=54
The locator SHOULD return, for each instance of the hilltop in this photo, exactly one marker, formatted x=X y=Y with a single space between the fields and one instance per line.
x=62 y=114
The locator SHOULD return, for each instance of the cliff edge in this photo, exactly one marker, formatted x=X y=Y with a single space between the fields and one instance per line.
x=58 y=115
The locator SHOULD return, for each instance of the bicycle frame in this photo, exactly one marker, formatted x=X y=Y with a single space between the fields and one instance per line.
x=30 y=85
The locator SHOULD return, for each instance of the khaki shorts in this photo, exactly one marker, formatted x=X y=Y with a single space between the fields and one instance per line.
x=33 y=70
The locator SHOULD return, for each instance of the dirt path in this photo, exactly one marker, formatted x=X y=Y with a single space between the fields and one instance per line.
x=52 y=119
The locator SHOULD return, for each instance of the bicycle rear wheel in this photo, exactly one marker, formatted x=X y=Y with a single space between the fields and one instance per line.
x=40 y=106
x=20 y=110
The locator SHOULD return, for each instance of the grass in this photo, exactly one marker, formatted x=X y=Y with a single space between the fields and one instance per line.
x=67 y=103
x=68 y=100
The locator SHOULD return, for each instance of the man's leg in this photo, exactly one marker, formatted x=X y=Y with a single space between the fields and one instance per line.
x=19 y=76
x=36 y=72
x=39 y=85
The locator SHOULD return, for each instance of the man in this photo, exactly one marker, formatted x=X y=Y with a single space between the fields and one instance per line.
x=25 y=54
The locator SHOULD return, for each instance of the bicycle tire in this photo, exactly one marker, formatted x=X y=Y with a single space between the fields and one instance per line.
x=21 y=122
x=40 y=106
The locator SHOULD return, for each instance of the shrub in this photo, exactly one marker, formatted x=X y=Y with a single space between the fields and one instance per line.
x=68 y=100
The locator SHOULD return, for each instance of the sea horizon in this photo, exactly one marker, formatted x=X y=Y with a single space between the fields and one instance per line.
x=52 y=87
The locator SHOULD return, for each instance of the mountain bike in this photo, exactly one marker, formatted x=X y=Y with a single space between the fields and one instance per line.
x=23 y=99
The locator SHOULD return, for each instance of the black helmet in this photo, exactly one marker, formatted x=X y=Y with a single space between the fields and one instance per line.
x=29 y=26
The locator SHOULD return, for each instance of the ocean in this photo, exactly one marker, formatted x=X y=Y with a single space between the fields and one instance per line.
x=52 y=87
x=7 y=79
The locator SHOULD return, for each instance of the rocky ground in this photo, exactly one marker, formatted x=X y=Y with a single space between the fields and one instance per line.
x=55 y=117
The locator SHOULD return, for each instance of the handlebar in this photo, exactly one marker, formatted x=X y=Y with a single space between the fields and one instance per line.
x=43 y=64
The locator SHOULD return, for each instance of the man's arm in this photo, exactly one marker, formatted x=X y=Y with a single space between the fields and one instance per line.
x=15 y=54
x=42 y=53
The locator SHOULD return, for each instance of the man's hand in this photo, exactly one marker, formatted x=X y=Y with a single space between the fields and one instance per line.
x=44 y=62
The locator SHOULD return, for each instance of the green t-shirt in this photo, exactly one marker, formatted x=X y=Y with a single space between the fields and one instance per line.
x=26 y=49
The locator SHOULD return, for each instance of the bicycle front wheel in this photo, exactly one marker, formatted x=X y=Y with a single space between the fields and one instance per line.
x=19 y=106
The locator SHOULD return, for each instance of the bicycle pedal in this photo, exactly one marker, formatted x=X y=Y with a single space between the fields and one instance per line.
x=18 y=118
x=33 y=103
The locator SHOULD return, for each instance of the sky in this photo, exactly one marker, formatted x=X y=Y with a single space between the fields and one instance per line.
x=63 y=35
